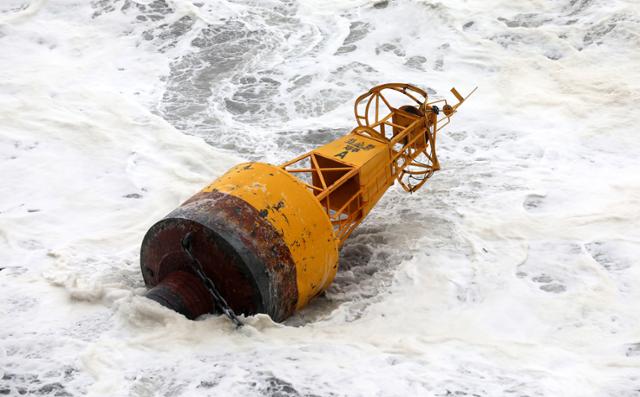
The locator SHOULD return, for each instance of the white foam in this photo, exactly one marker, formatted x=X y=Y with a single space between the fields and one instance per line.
x=514 y=271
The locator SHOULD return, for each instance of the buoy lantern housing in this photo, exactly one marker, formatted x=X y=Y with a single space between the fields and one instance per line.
x=264 y=238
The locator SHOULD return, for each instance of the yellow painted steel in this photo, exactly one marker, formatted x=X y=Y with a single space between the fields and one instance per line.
x=294 y=212
x=371 y=157
x=353 y=149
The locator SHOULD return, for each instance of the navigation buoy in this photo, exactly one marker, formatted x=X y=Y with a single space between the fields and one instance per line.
x=265 y=238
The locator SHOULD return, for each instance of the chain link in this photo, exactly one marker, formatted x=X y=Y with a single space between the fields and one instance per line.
x=218 y=300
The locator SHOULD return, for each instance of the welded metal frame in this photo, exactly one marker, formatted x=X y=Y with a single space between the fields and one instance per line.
x=375 y=114
x=342 y=225
x=404 y=161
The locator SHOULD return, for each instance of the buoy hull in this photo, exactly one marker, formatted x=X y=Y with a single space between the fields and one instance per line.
x=260 y=236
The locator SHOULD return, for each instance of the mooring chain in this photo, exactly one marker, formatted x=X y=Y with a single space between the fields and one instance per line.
x=208 y=283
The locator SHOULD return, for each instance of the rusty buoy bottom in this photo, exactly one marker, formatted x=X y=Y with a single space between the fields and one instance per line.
x=242 y=253
x=184 y=293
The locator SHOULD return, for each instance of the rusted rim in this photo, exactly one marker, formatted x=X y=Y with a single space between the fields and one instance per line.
x=241 y=252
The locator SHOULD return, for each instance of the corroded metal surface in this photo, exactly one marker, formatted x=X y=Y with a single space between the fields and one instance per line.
x=184 y=293
x=240 y=251
x=297 y=216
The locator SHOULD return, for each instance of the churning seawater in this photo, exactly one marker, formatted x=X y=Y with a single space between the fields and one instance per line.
x=514 y=272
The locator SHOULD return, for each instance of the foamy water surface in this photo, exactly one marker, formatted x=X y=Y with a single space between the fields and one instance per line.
x=514 y=272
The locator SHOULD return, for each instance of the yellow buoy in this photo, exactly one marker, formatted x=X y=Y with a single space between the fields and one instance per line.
x=265 y=238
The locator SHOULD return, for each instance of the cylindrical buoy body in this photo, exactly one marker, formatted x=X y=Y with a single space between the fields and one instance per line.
x=261 y=237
